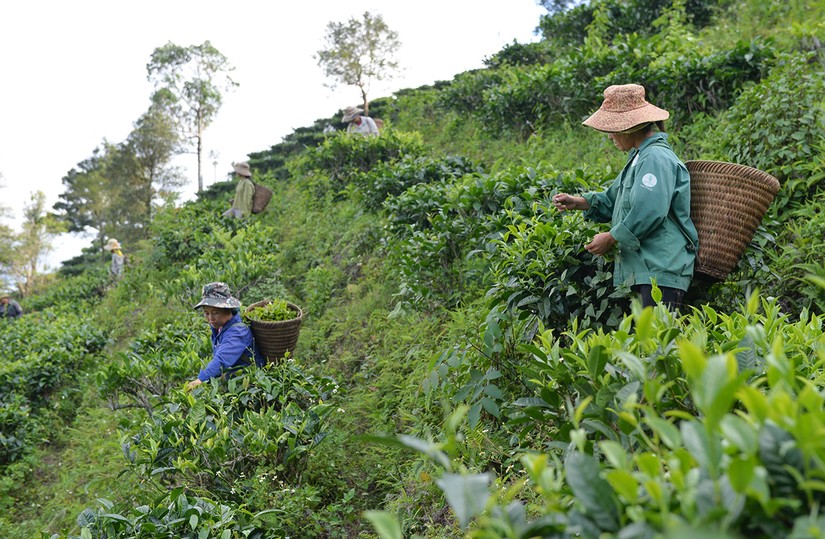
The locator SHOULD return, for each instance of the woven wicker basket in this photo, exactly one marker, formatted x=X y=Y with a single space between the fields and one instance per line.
x=261 y=198
x=275 y=339
x=727 y=203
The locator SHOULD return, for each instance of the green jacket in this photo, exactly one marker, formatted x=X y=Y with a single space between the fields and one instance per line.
x=244 y=192
x=644 y=204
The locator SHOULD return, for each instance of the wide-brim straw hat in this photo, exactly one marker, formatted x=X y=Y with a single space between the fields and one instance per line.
x=624 y=108
x=112 y=244
x=218 y=295
x=350 y=113
x=242 y=169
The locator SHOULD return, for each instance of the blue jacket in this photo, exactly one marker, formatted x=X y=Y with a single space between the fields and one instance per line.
x=232 y=348
x=648 y=206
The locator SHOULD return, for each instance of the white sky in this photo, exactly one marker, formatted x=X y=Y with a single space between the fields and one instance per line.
x=74 y=73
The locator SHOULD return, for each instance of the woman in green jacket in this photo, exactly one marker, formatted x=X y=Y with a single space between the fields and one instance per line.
x=648 y=204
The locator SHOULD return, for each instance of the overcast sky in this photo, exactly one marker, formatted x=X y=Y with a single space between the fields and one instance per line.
x=74 y=73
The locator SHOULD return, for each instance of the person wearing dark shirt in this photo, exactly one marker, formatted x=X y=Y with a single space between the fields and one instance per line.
x=8 y=307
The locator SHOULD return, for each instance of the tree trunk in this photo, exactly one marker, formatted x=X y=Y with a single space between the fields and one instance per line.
x=200 y=147
x=366 y=102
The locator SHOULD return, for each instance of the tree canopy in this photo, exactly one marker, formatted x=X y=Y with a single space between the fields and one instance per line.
x=194 y=80
x=359 y=51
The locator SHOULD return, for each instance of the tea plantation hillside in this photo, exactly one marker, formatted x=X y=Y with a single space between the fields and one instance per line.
x=465 y=368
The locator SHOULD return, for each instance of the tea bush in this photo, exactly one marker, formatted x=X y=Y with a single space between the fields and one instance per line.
x=329 y=168
x=215 y=438
x=439 y=232
x=543 y=269
x=86 y=288
x=158 y=360
x=779 y=126
x=175 y=514
x=391 y=179
x=704 y=424
x=41 y=352
x=240 y=256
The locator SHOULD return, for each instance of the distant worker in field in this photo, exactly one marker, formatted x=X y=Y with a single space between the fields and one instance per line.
x=233 y=346
x=648 y=204
x=9 y=309
x=116 y=267
x=244 y=192
x=358 y=123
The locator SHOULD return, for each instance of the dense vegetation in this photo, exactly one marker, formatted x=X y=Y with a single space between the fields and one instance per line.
x=465 y=367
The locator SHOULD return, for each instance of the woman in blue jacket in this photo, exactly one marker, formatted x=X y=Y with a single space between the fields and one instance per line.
x=232 y=343
x=647 y=205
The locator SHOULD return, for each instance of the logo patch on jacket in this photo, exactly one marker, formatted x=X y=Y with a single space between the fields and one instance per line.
x=649 y=181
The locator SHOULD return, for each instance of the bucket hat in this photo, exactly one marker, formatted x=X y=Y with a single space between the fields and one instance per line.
x=350 y=113
x=112 y=244
x=242 y=169
x=623 y=108
x=218 y=295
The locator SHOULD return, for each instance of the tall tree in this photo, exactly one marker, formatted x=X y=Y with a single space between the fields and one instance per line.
x=196 y=77
x=359 y=51
x=6 y=242
x=32 y=244
x=100 y=193
x=151 y=145
x=87 y=196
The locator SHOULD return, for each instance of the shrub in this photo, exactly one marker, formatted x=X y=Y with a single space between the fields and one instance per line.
x=214 y=438
x=542 y=269
x=704 y=425
x=393 y=178
x=440 y=230
x=329 y=168
x=779 y=126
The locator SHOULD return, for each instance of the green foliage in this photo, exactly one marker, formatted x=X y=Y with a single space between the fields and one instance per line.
x=707 y=422
x=465 y=94
x=175 y=514
x=84 y=289
x=182 y=244
x=359 y=51
x=190 y=83
x=440 y=230
x=321 y=284
x=779 y=126
x=239 y=254
x=40 y=352
x=521 y=54
x=679 y=73
x=332 y=166
x=215 y=438
x=275 y=311
x=543 y=269
x=390 y=179
x=568 y=26
x=159 y=359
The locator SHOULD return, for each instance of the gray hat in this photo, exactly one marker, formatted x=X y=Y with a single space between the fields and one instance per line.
x=350 y=113
x=242 y=169
x=218 y=295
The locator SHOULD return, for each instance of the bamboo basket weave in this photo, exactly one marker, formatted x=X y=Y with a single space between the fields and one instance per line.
x=727 y=203
x=275 y=338
x=261 y=198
